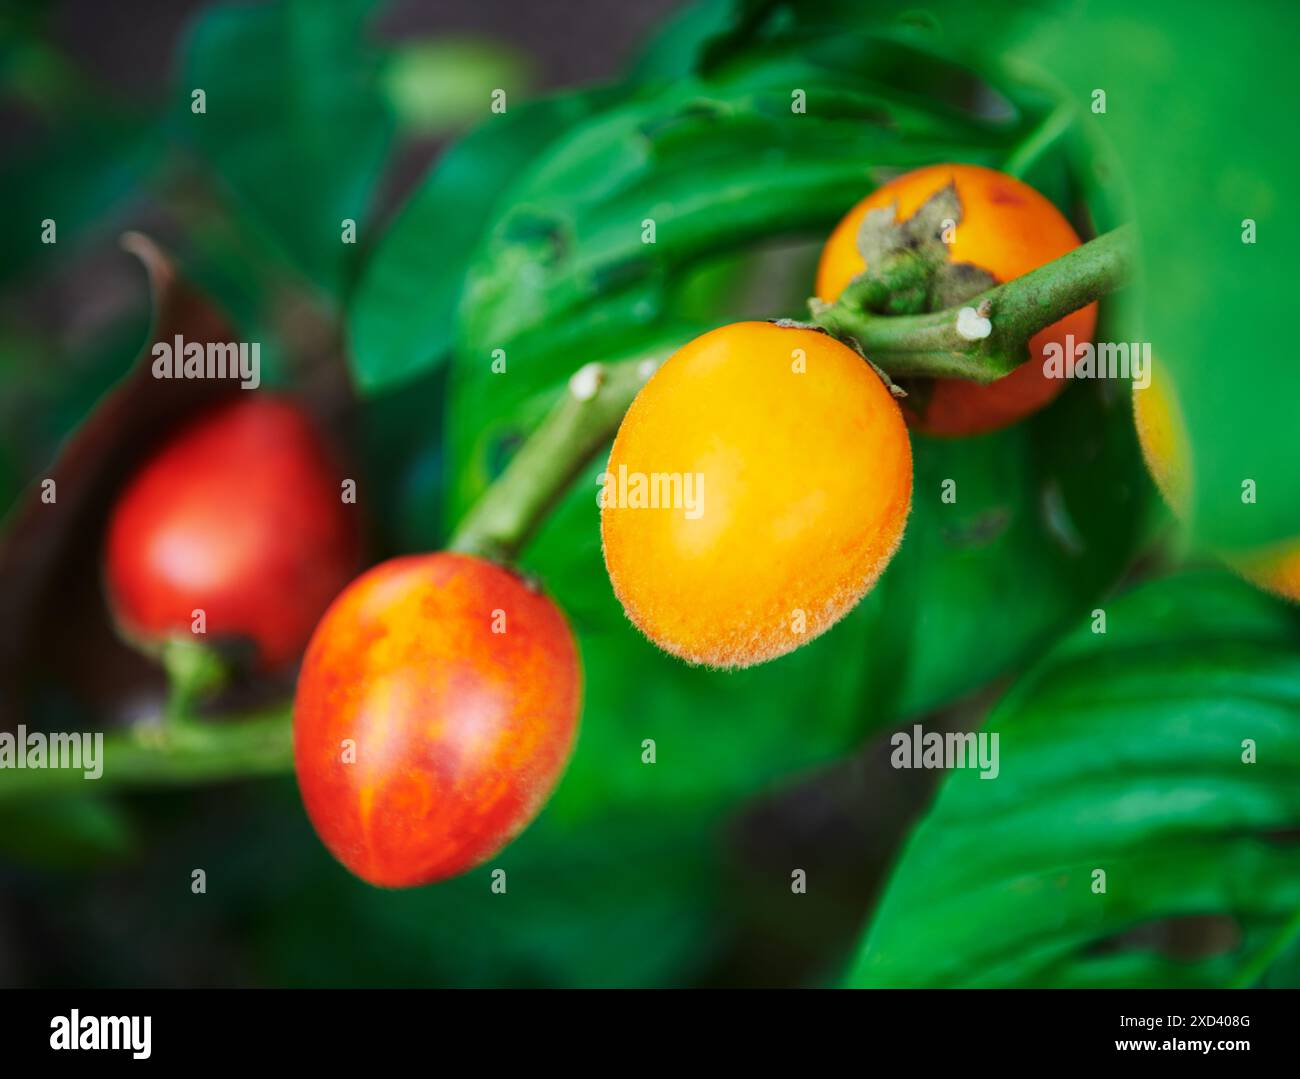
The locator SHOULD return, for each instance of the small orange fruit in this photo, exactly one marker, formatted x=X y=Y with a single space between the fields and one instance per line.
x=1007 y=229
x=757 y=487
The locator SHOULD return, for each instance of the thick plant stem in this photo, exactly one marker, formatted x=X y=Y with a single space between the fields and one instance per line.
x=583 y=420
x=939 y=344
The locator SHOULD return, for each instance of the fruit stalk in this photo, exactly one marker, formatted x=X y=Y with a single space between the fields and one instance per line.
x=194 y=672
x=233 y=747
x=499 y=524
x=931 y=345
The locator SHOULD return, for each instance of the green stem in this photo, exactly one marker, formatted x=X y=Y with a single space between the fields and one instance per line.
x=930 y=345
x=194 y=672
x=153 y=755
x=578 y=425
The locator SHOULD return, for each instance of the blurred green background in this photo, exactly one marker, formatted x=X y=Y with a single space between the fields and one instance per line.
x=521 y=230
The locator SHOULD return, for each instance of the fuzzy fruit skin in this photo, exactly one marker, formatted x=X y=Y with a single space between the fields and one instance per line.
x=1162 y=435
x=807 y=483
x=460 y=733
x=1008 y=229
x=240 y=514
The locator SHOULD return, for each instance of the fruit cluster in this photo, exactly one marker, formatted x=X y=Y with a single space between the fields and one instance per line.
x=807 y=470
x=770 y=471
x=438 y=697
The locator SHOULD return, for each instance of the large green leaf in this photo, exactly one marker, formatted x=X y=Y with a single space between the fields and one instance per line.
x=402 y=317
x=1047 y=516
x=1186 y=99
x=402 y=320
x=715 y=163
x=1120 y=752
x=675 y=46
x=296 y=122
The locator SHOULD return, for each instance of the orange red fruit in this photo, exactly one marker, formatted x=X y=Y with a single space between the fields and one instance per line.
x=436 y=709
x=784 y=479
x=1007 y=229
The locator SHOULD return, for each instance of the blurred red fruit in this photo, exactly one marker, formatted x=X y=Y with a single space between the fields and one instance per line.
x=240 y=515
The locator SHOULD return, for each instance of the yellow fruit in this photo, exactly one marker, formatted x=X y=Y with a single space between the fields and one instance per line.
x=757 y=487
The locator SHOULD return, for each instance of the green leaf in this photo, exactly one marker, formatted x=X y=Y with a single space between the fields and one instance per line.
x=1120 y=752
x=675 y=47
x=296 y=122
x=402 y=317
x=1217 y=310
x=1282 y=971
x=1045 y=521
x=714 y=165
